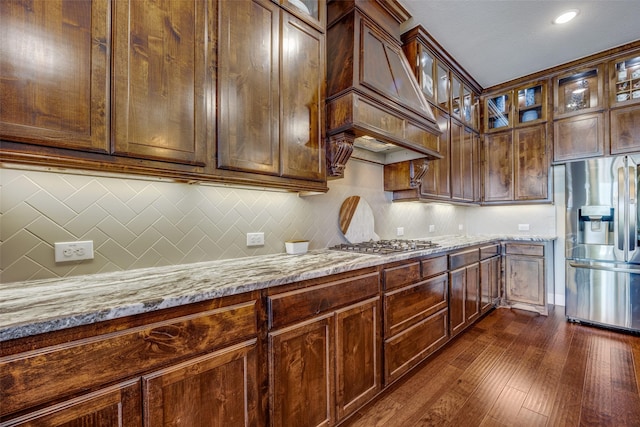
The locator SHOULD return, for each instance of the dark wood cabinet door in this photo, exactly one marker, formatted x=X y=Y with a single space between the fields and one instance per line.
x=248 y=86
x=578 y=137
x=531 y=163
x=457 y=287
x=457 y=160
x=470 y=177
x=301 y=374
x=436 y=182
x=489 y=282
x=625 y=130
x=498 y=167
x=525 y=279
x=302 y=100
x=217 y=389
x=117 y=406
x=358 y=356
x=472 y=293
x=160 y=85
x=54 y=73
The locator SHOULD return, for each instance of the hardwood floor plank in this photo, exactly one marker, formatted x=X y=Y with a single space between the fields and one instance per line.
x=528 y=418
x=596 y=396
x=542 y=393
x=508 y=405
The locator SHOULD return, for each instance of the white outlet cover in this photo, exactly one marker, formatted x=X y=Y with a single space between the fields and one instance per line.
x=523 y=227
x=400 y=231
x=73 y=251
x=432 y=228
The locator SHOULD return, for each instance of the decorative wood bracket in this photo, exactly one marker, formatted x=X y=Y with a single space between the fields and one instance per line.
x=339 y=151
x=417 y=169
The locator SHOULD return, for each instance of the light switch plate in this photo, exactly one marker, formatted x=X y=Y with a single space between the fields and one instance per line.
x=432 y=228
x=400 y=231
x=523 y=227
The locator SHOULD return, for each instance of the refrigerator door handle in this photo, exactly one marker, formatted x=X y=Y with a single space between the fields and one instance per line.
x=604 y=268
x=620 y=212
x=632 y=215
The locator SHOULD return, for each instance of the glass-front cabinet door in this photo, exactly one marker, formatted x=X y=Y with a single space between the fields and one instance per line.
x=624 y=83
x=312 y=11
x=498 y=111
x=578 y=92
x=456 y=96
x=531 y=104
x=426 y=66
x=442 y=87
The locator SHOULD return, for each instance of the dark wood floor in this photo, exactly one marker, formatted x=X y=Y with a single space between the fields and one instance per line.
x=514 y=368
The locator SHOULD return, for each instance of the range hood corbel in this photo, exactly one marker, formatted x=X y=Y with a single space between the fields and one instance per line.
x=370 y=86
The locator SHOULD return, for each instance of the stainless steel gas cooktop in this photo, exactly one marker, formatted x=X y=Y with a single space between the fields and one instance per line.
x=384 y=247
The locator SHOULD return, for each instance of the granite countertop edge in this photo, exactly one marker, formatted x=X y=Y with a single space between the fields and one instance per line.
x=40 y=306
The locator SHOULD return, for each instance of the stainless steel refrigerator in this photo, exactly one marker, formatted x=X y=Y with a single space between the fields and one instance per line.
x=602 y=248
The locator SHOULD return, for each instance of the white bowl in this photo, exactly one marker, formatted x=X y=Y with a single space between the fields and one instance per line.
x=295 y=247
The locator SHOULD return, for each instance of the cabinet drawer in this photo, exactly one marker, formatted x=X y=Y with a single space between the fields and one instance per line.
x=489 y=251
x=434 y=266
x=46 y=374
x=524 y=249
x=407 y=349
x=301 y=304
x=407 y=306
x=463 y=258
x=401 y=275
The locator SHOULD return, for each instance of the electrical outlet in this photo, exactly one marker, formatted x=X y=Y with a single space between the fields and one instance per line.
x=523 y=227
x=73 y=251
x=460 y=227
x=255 y=239
x=432 y=228
x=400 y=231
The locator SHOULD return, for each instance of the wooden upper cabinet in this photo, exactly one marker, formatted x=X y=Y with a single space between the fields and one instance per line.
x=624 y=98
x=248 y=86
x=271 y=71
x=531 y=163
x=160 y=80
x=624 y=80
x=54 y=73
x=498 y=167
x=579 y=137
x=625 y=130
x=436 y=181
x=302 y=97
x=578 y=91
x=313 y=12
x=463 y=163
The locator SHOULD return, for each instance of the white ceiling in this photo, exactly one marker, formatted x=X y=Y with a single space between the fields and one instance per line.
x=498 y=40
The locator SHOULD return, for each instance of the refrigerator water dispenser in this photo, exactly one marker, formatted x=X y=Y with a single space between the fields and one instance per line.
x=595 y=225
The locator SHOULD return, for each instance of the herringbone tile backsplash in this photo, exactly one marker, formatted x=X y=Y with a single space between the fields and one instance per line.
x=137 y=223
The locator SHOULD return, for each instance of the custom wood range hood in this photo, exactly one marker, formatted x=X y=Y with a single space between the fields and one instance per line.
x=373 y=99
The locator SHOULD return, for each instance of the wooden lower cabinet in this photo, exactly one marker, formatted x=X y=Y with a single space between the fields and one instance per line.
x=464 y=290
x=324 y=357
x=301 y=363
x=197 y=365
x=489 y=283
x=217 y=389
x=525 y=276
x=117 y=405
x=415 y=314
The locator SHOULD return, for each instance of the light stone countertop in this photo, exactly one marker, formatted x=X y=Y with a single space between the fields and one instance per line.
x=34 y=307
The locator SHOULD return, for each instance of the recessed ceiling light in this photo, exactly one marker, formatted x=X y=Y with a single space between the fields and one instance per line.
x=566 y=16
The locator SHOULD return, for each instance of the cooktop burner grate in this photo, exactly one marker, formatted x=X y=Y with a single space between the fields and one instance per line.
x=384 y=247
